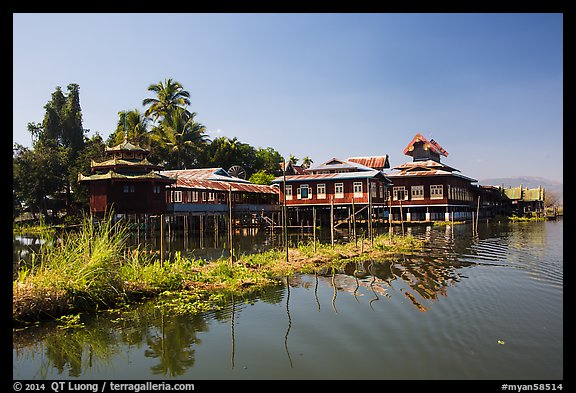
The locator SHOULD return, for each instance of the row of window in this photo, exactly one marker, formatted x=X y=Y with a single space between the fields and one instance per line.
x=130 y=188
x=305 y=191
x=197 y=196
x=436 y=192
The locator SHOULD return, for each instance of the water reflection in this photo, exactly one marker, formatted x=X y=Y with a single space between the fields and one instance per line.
x=161 y=345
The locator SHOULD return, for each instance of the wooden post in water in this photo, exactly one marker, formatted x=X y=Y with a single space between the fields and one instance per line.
x=201 y=218
x=314 y=226
x=285 y=213
x=477 y=214
x=162 y=240
x=231 y=224
x=401 y=215
x=369 y=210
x=332 y=220
x=354 y=222
x=389 y=200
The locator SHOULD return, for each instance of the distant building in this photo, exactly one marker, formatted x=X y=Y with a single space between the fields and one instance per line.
x=526 y=201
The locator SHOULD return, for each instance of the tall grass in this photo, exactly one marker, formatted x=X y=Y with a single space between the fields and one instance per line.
x=79 y=269
x=92 y=267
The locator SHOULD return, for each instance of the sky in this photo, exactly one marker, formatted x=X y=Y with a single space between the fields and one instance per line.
x=488 y=87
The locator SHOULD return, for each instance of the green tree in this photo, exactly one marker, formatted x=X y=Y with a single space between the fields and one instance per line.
x=179 y=138
x=306 y=162
x=261 y=177
x=169 y=95
x=60 y=131
x=136 y=126
x=269 y=160
x=293 y=159
x=225 y=152
x=37 y=176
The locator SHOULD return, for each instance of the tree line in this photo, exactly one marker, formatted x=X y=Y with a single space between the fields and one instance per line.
x=45 y=175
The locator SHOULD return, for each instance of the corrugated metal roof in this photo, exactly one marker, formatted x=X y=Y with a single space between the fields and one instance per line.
x=424 y=164
x=331 y=176
x=339 y=164
x=216 y=185
x=376 y=162
x=203 y=174
x=432 y=145
x=432 y=172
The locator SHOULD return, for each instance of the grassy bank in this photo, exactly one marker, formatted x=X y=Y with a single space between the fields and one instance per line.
x=92 y=269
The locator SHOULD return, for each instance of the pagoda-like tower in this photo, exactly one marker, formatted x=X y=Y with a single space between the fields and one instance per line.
x=126 y=182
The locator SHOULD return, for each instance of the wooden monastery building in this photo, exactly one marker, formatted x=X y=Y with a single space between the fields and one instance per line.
x=126 y=182
x=427 y=189
x=341 y=185
x=210 y=189
x=130 y=185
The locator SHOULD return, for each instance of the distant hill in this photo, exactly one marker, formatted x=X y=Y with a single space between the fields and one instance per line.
x=527 y=181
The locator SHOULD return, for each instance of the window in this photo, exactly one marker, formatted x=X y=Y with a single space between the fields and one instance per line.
x=194 y=196
x=155 y=192
x=304 y=192
x=321 y=191
x=288 y=193
x=177 y=196
x=436 y=191
x=339 y=190
x=210 y=196
x=399 y=193
x=373 y=191
x=381 y=190
x=417 y=192
x=129 y=188
x=358 y=189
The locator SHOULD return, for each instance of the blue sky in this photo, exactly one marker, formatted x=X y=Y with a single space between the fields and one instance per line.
x=487 y=87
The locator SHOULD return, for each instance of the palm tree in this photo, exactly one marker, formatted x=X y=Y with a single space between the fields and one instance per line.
x=136 y=127
x=179 y=133
x=169 y=95
x=306 y=162
x=293 y=159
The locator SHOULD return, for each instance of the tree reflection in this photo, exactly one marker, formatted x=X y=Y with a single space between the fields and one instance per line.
x=173 y=346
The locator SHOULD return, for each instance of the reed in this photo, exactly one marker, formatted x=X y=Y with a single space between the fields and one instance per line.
x=93 y=268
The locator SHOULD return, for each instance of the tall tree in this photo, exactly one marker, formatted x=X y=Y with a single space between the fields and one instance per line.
x=182 y=137
x=306 y=162
x=37 y=174
x=293 y=159
x=169 y=95
x=136 y=126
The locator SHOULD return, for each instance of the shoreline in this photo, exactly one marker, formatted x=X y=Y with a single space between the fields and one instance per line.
x=143 y=276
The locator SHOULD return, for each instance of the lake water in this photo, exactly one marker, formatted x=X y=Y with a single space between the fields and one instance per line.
x=479 y=307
